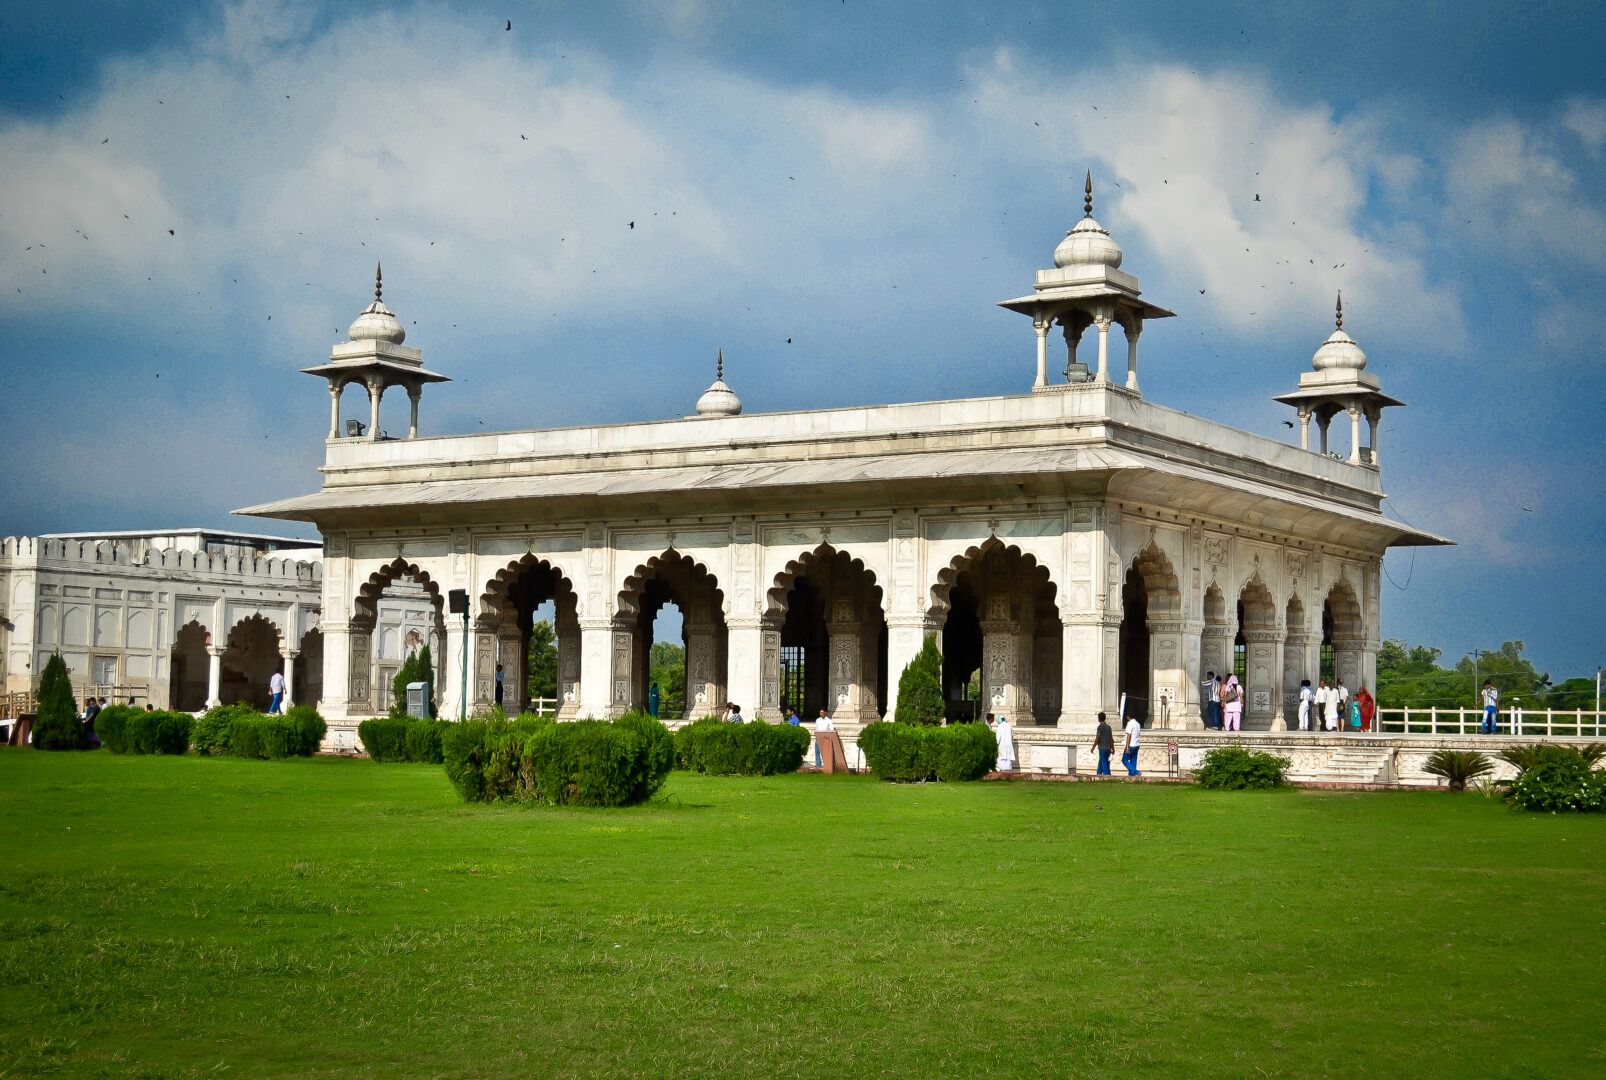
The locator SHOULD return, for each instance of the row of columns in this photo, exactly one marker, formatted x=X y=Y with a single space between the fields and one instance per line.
x=1101 y=317
x=376 y=390
x=214 y=675
x=1324 y=418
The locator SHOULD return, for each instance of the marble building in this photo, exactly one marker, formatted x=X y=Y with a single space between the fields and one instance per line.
x=1067 y=545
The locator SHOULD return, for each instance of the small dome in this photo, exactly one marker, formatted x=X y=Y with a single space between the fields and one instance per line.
x=1088 y=244
x=719 y=399
x=377 y=323
x=1339 y=352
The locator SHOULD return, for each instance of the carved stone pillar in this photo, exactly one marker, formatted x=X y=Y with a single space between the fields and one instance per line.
x=515 y=668
x=360 y=674
x=1001 y=668
x=701 y=688
x=1263 y=680
x=482 y=677
x=289 y=677
x=569 y=652
x=1294 y=670
x=770 y=670
x=1168 y=673
x=1132 y=331
x=848 y=693
x=214 y=676
x=1047 y=658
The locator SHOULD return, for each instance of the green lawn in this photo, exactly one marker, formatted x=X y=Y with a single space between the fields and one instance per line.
x=187 y=917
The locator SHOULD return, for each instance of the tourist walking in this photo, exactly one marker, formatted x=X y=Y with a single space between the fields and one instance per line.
x=1212 y=699
x=1343 y=701
x=1491 y=709
x=1006 y=745
x=1368 y=707
x=1232 y=705
x=1129 y=746
x=1328 y=696
x=276 y=693
x=1104 y=743
x=1306 y=696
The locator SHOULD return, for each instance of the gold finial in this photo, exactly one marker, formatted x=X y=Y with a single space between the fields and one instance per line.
x=379 y=282
x=719 y=369
x=1087 y=195
x=1340 y=311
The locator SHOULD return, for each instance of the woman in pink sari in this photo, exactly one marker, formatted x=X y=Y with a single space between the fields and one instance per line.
x=1232 y=705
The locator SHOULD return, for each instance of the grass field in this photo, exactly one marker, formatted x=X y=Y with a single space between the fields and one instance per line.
x=187 y=917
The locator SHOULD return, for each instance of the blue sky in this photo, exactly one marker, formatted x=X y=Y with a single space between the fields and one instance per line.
x=865 y=179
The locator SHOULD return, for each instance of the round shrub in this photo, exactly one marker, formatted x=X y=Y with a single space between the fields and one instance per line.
x=210 y=735
x=1237 y=768
x=584 y=763
x=1560 y=781
x=112 y=727
x=752 y=749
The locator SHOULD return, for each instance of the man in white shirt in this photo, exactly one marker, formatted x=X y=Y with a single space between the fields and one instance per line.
x=276 y=688
x=1491 y=709
x=1006 y=745
x=1129 y=746
x=821 y=723
x=1306 y=697
x=1328 y=695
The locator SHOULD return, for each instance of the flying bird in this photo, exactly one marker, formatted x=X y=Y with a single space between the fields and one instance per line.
x=789 y=341
x=108 y=139
x=169 y=232
x=1288 y=423
x=632 y=224
x=1201 y=292
x=509 y=25
x=526 y=138
x=1257 y=196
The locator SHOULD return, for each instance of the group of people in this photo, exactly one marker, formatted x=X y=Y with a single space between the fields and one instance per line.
x=1104 y=743
x=1330 y=707
x=1224 y=702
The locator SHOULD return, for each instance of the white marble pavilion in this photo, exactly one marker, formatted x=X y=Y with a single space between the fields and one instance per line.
x=1073 y=543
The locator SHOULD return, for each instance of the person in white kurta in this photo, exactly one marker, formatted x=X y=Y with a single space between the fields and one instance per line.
x=1006 y=745
x=1330 y=704
x=1306 y=696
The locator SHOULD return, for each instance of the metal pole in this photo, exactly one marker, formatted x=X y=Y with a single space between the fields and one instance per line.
x=462 y=704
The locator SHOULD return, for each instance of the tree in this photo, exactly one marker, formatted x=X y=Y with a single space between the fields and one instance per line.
x=920 y=687
x=666 y=663
x=542 y=681
x=416 y=668
x=56 y=725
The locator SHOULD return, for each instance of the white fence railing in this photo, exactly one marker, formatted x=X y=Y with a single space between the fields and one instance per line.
x=1549 y=723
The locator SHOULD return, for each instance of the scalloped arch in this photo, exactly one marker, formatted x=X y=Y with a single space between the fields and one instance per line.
x=970 y=559
x=629 y=605
x=781 y=587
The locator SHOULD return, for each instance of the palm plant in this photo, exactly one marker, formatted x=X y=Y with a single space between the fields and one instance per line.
x=1458 y=766
x=1592 y=753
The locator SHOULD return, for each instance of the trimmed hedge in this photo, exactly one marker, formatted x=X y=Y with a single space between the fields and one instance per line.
x=583 y=763
x=754 y=748
x=896 y=751
x=1237 y=768
x=403 y=739
x=210 y=735
x=126 y=730
x=297 y=733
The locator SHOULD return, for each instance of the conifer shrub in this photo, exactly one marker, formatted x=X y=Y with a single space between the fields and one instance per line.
x=56 y=725
x=1238 y=768
x=112 y=727
x=210 y=735
x=754 y=748
x=912 y=752
x=418 y=667
x=920 y=698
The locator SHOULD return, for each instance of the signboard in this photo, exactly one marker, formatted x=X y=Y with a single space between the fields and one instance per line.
x=1171 y=747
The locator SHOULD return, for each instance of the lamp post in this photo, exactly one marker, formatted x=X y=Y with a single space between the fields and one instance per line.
x=458 y=601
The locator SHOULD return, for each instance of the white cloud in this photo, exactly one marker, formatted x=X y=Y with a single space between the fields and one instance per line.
x=1586 y=118
x=1509 y=183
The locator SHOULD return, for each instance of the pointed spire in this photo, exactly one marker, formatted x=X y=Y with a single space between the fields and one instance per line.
x=379 y=281
x=719 y=367
x=1339 y=313
x=1087 y=195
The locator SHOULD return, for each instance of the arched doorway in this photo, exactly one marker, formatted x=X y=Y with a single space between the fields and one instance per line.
x=525 y=592
x=307 y=686
x=1000 y=624
x=398 y=599
x=672 y=578
x=249 y=661
x=1256 y=663
x=1342 y=635
x=189 y=669
x=833 y=637
x=1149 y=645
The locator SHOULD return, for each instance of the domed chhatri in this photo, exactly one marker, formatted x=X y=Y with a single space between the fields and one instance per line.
x=1339 y=352
x=1086 y=289
x=375 y=358
x=377 y=322
x=719 y=399
x=1088 y=243
x=1340 y=383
